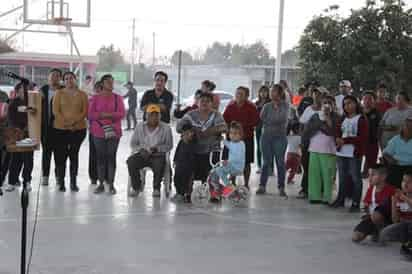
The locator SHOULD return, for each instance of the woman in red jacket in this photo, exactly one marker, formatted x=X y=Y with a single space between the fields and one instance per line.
x=243 y=111
x=350 y=143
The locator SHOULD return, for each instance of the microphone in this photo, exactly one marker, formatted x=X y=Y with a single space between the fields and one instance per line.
x=17 y=77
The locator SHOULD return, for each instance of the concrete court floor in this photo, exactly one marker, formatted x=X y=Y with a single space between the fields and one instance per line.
x=85 y=233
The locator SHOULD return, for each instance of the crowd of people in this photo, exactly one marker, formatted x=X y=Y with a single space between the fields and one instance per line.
x=325 y=137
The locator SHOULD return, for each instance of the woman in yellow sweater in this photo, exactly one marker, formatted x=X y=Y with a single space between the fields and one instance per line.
x=70 y=111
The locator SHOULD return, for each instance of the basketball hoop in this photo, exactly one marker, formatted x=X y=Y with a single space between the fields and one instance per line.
x=62 y=23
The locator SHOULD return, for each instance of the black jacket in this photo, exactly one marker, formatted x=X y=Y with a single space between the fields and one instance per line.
x=374 y=119
x=47 y=113
x=166 y=98
x=306 y=101
x=17 y=119
x=185 y=155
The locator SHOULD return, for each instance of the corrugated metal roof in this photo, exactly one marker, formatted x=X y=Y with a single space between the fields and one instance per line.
x=47 y=57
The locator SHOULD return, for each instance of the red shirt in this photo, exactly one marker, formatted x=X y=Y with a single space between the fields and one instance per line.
x=387 y=192
x=383 y=106
x=296 y=100
x=247 y=115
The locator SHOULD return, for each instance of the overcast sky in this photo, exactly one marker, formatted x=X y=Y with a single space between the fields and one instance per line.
x=185 y=24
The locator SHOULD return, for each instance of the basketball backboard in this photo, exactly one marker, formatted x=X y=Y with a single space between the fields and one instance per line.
x=45 y=12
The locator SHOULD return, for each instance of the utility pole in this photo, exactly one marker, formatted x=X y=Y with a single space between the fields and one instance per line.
x=179 y=76
x=133 y=57
x=154 y=49
x=280 y=37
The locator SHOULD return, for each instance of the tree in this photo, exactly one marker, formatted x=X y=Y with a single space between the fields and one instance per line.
x=290 y=57
x=187 y=58
x=372 y=44
x=228 y=54
x=254 y=54
x=218 y=54
x=5 y=46
x=318 y=49
x=109 y=58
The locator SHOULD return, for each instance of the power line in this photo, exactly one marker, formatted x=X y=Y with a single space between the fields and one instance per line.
x=163 y=22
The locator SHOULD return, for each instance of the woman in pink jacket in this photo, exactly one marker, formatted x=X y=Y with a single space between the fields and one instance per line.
x=106 y=112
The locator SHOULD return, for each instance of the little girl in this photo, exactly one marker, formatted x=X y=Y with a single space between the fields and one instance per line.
x=294 y=154
x=219 y=180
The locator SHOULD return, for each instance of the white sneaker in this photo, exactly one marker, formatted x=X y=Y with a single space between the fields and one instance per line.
x=10 y=188
x=45 y=181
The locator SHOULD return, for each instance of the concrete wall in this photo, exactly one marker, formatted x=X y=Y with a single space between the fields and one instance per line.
x=227 y=78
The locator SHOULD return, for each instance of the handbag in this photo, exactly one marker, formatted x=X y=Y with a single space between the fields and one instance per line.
x=108 y=130
x=11 y=135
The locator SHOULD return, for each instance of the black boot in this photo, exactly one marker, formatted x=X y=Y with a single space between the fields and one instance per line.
x=60 y=181
x=112 y=189
x=73 y=184
x=99 y=189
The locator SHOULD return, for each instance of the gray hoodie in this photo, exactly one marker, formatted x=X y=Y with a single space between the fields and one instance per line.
x=163 y=139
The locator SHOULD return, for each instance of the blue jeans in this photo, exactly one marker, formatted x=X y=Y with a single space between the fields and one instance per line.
x=350 y=168
x=273 y=147
x=222 y=172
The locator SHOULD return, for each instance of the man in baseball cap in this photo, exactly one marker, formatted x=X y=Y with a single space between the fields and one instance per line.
x=345 y=88
x=151 y=141
x=152 y=108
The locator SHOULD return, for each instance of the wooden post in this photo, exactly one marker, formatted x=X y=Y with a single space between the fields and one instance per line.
x=34 y=119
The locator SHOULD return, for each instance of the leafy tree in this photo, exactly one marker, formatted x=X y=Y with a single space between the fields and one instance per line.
x=255 y=54
x=109 y=58
x=228 y=54
x=218 y=54
x=187 y=58
x=5 y=46
x=290 y=57
x=372 y=44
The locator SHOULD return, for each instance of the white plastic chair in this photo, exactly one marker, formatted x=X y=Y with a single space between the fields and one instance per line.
x=167 y=178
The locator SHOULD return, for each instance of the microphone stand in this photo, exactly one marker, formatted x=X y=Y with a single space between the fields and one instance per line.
x=24 y=206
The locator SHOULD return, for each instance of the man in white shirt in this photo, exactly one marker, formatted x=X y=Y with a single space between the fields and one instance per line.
x=345 y=88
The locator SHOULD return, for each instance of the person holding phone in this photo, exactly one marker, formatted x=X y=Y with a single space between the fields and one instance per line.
x=322 y=150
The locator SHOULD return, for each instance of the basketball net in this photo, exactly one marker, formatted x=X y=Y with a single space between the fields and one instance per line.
x=62 y=23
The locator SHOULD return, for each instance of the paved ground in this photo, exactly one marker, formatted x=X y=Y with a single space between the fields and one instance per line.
x=85 y=233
